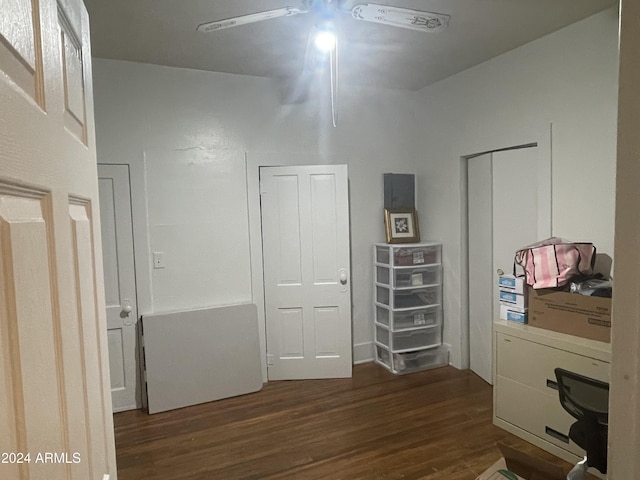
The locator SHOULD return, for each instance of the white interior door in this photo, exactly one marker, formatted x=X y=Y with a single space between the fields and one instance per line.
x=305 y=225
x=506 y=212
x=480 y=212
x=54 y=367
x=120 y=286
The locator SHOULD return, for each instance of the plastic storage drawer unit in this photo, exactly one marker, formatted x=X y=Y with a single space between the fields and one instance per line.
x=408 y=307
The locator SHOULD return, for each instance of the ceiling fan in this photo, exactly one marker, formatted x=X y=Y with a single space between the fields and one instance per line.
x=326 y=12
x=368 y=12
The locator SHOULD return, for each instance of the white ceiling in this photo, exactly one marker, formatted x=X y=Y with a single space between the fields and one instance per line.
x=164 y=32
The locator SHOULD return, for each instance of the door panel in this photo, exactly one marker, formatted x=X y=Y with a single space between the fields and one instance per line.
x=480 y=212
x=291 y=333
x=327 y=324
x=85 y=286
x=120 y=287
x=31 y=339
x=288 y=253
x=306 y=248
x=323 y=226
x=73 y=78
x=20 y=51
x=53 y=364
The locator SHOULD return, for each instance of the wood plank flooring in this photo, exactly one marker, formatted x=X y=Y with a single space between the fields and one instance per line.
x=428 y=425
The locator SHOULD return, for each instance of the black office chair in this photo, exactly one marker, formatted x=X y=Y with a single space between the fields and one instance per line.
x=587 y=400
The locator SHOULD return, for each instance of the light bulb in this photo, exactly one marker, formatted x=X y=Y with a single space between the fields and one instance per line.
x=325 y=41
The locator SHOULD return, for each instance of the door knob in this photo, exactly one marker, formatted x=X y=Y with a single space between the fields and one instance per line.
x=126 y=308
x=125 y=312
x=500 y=271
x=343 y=276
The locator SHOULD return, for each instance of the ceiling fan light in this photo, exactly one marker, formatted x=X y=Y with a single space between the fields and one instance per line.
x=325 y=40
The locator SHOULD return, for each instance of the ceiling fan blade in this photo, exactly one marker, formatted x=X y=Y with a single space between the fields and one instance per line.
x=251 y=18
x=400 y=17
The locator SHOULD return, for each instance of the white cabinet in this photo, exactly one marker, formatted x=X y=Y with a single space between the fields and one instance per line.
x=525 y=395
x=408 y=307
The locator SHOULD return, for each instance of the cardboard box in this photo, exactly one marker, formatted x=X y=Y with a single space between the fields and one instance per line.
x=571 y=313
x=508 y=298
x=510 y=283
x=514 y=314
x=521 y=466
x=517 y=465
x=497 y=472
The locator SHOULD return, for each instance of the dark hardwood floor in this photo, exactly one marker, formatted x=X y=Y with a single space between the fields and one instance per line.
x=428 y=425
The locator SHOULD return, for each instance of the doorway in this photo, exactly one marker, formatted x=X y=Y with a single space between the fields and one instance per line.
x=508 y=206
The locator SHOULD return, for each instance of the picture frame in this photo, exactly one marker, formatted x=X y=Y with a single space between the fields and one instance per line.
x=401 y=225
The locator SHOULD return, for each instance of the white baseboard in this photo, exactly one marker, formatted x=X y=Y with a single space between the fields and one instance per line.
x=451 y=361
x=363 y=353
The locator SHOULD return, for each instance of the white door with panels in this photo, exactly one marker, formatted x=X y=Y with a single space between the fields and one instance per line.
x=54 y=370
x=506 y=211
x=305 y=229
x=120 y=286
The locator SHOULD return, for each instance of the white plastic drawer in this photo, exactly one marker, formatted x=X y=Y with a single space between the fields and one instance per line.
x=416 y=255
x=409 y=277
x=412 y=277
x=421 y=317
x=409 y=339
x=408 y=255
x=409 y=299
x=415 y=361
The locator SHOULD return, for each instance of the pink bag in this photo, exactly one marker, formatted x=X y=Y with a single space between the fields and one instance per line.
x=554 y=261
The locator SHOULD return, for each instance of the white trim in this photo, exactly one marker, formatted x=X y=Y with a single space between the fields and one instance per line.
x=448 y=347
x=255 y=244
x=464 y=345
x=624 y=400
x=363 y=353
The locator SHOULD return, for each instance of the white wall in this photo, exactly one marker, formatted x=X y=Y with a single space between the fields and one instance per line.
x=184 y=134
x=569 y=79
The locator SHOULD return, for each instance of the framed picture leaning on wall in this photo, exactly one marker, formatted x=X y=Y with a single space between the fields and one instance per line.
x=401 y=225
